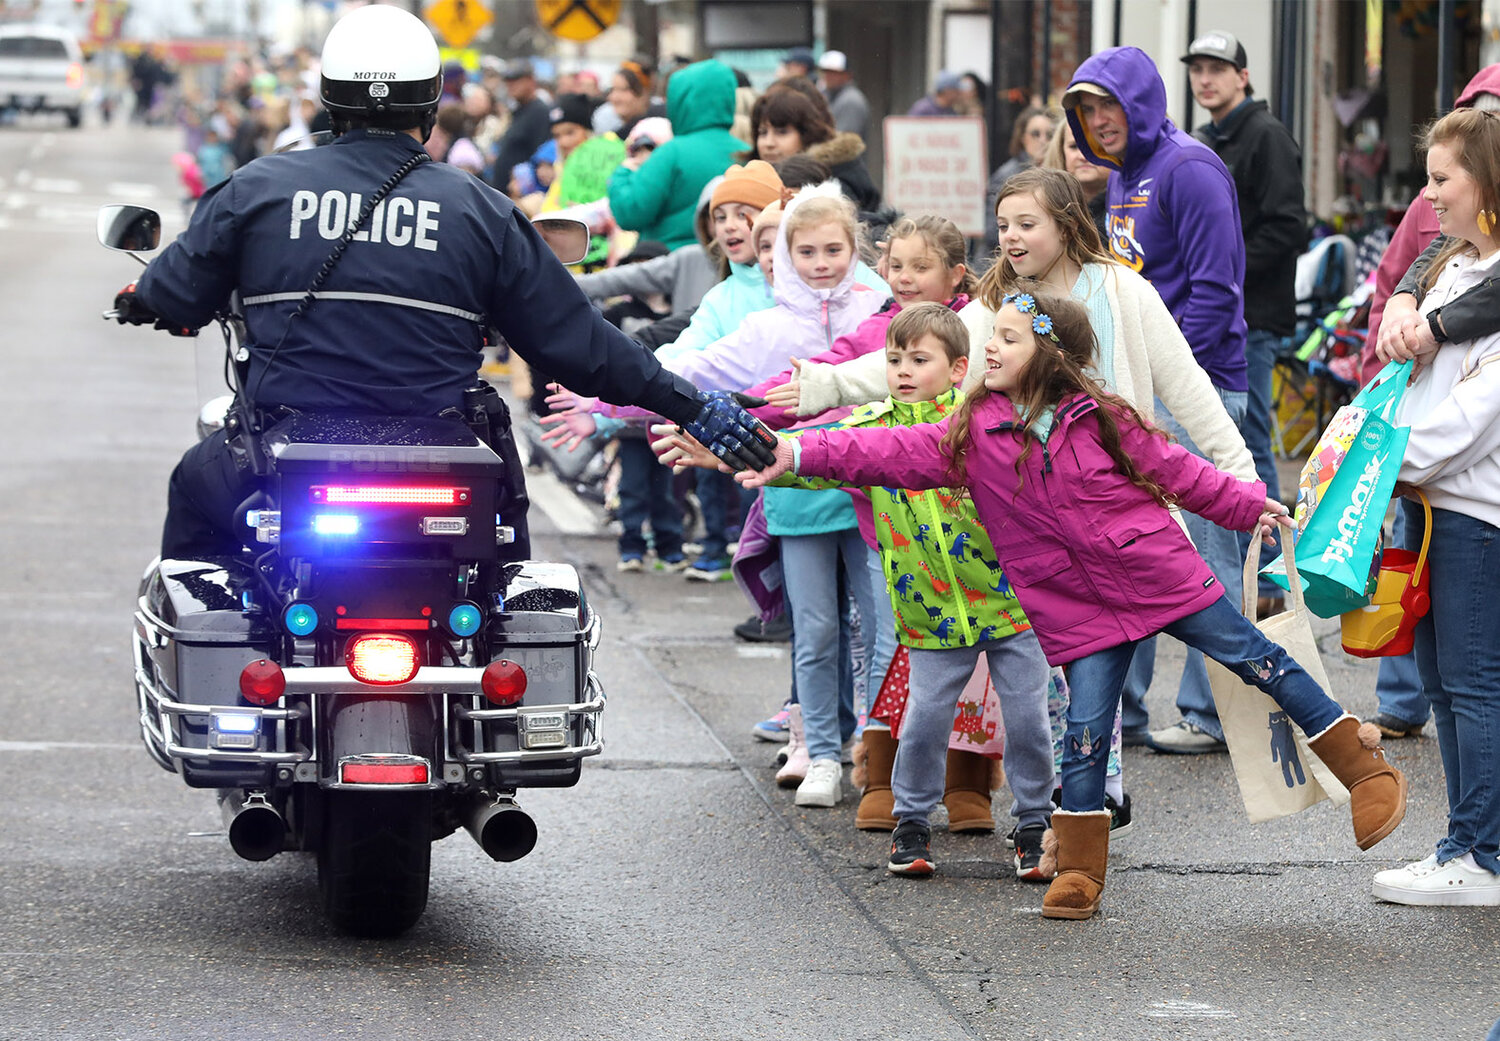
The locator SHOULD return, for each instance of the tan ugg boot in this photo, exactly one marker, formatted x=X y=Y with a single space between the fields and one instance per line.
x=967 y=792
x=1081 y=844
x=873 y=758
x=1377 y=790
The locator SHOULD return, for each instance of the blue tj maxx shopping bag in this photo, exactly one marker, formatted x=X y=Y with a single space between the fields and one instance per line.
x=1342 y=497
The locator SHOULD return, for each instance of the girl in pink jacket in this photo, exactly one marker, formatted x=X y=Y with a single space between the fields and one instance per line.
x=1074 y=488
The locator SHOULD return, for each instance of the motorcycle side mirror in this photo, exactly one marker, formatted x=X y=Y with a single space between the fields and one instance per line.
x=567 y=238
x=130 y=229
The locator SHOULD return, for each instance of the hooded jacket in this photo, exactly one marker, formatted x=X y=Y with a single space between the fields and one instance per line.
x=944 y=579
x=1094 y=559
x=844 y=154
x=658 y=199
x=1173 y=213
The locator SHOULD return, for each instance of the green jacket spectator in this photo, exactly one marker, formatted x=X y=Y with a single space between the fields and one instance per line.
x=657 y=200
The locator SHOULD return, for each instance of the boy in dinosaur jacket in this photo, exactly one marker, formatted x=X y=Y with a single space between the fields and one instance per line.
x=951 y=602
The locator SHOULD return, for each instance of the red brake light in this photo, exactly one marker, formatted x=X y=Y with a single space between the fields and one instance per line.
x=383 y=773
x=262 y=682
x=503 y=682
x=389 y=495
x=382 y=658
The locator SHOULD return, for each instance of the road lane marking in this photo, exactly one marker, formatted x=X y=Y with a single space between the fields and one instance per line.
x=1186 y=1010
x=129 y=190
x=49 y=746
x=57 y=185
x=565 y=509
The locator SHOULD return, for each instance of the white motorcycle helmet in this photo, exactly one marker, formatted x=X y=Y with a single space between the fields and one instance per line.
x=381 y=66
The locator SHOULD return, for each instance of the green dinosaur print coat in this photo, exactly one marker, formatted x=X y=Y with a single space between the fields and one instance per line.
x=945 y=581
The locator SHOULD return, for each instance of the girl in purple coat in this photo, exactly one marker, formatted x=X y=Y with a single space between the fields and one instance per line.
x=1074 y=488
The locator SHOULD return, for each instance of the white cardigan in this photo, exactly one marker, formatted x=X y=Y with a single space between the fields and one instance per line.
x=1151 y=360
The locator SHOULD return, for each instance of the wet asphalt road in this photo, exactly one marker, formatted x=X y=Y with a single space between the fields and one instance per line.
x=675 y=892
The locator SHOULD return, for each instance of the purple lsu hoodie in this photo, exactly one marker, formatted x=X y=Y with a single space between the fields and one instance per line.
x=1174 y=215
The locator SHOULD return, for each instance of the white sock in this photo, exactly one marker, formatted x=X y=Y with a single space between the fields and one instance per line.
x=1468 y=861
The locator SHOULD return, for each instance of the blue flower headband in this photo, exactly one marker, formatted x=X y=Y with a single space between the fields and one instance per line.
x=1041 y=323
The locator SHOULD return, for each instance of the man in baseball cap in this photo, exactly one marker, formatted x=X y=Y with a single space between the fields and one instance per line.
x=1266 y=166
x=798 y=62
x=850 y=107
x=1174 y=218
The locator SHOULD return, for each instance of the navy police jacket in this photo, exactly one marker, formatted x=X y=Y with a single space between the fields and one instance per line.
x=397 y=327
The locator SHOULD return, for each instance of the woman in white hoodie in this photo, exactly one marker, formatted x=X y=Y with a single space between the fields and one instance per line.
x=1453 y=457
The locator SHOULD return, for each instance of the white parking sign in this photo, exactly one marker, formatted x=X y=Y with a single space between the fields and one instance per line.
x=937 y=166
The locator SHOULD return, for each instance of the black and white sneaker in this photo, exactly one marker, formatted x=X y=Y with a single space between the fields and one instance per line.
x=910 y=850
x=1119 y=816
x=1029 y=853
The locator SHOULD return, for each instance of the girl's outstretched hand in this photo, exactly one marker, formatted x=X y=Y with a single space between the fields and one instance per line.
x=761 y=478
x=1274 y=514
x=569 y=429
x=788 y=396
x=681 y=450
x=565 y=401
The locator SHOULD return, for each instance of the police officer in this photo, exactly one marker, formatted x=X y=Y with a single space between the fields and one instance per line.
x=400 y=315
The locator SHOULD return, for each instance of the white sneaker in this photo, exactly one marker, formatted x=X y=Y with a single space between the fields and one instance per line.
x=821 y=786
x=1458 y=883
x=1183 y=738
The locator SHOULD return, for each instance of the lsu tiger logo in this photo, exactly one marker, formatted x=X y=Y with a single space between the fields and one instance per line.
x=1123 y=244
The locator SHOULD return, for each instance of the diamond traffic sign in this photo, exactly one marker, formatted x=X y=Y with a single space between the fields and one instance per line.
x=577 y=19
x=459 y=21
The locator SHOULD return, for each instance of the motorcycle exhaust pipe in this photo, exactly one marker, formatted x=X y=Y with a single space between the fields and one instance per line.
x=503 y=830
x=256 y=830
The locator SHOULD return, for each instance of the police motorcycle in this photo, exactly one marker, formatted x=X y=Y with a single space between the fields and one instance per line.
x=368 y=675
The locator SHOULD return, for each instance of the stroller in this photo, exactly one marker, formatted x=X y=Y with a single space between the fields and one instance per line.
x=1318 y=370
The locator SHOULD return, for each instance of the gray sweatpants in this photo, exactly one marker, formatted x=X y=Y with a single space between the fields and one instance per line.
x=1020 y=673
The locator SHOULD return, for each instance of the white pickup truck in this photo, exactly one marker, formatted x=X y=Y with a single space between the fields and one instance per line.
x=41 y=70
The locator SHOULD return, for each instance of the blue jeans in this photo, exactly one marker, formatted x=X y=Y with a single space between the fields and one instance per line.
x=1458 y=655
x=1220 y=632
x=882 y=635
x=719 y=498
x=812 y=566
x=1399 y=684
x=1261 y=349
x=1221 y=549
x=646 y=494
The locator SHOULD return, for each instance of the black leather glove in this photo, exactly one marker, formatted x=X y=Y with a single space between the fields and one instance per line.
x=129 y=310
x=731 y=433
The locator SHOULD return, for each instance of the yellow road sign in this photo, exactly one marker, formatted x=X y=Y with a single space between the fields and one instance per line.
x=459 y=21
x=577 y=19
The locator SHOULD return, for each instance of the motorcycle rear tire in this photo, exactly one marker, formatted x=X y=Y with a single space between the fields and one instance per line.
x=374 y=860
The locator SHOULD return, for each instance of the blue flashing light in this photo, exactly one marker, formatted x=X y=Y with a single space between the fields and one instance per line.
x=236 y=724
x=300 y=619
x=464 y=619
x=336 y=524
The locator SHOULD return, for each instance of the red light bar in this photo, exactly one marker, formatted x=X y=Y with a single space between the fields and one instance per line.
x=420 y=624
x=389 y=495
x=383 y=773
